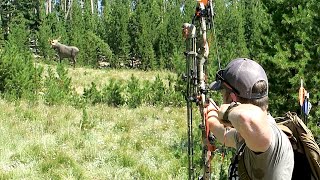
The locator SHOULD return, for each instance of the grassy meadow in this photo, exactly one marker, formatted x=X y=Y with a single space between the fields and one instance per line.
x=38 y=141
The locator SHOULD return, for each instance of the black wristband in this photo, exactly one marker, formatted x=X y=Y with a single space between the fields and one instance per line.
x=226 y=113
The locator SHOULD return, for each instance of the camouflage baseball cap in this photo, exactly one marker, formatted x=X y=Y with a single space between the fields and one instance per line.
x=240 y=75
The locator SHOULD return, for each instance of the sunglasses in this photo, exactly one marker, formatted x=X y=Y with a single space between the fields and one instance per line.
x=219 y=77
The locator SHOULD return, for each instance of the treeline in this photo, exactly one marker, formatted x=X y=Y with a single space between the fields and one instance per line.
x=281 y=35
x=119 y=31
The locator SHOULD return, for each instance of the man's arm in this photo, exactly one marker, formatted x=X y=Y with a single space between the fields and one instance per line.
x=252 y=124
x=248 y=120
x=223 y=135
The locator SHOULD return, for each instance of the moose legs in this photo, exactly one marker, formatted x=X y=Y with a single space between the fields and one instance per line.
x=73 y=57
x=74 y=62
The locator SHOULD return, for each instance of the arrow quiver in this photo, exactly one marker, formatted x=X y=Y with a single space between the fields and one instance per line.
x=197 y=52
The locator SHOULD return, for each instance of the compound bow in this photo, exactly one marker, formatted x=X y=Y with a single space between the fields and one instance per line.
x=197 y=53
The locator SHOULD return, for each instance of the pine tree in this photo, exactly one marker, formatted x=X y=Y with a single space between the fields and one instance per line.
x=141 y=27
x=118 y=26
x=291 y=50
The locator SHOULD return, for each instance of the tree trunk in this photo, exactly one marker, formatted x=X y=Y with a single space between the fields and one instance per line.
x=92 y=7
x=48 y=7
x=62 y=4
x=69 y=9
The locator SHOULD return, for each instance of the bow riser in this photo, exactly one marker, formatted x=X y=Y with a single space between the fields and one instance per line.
x=197 y=52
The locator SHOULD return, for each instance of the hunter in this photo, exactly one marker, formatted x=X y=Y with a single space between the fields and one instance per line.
x=263 y=151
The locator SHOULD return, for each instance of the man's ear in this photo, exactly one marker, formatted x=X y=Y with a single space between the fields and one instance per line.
x=233 y=97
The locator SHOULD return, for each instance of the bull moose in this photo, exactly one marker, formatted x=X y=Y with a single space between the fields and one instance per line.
x=65 y=51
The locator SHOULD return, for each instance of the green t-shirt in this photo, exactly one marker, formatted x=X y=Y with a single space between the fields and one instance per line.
x=274 y=164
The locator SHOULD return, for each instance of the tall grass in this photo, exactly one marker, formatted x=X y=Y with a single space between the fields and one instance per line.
x=82 y=77
x=96 y=141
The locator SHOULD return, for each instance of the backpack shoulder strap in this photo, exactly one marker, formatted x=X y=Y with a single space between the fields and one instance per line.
x=237 y=169
x=243 y=173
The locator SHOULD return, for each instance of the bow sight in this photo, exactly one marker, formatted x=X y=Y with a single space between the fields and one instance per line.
x=205 y=9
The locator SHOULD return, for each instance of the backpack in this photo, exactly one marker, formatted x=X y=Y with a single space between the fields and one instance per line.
x=306 y=150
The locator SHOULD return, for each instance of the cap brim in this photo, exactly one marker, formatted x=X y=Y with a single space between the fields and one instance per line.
x=216 y=85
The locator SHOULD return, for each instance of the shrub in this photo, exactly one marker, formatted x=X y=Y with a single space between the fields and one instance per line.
x=57 y=86
x=112 y=93
x=92 y=94
x=147 y=92
x=18 y=75
x=134 y=93
x=173 y=97
x=158 y=91
x=91 y=48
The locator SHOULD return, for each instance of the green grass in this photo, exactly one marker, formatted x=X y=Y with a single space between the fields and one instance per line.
x=60 y=142
x=38 y=141
x=99 y=142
